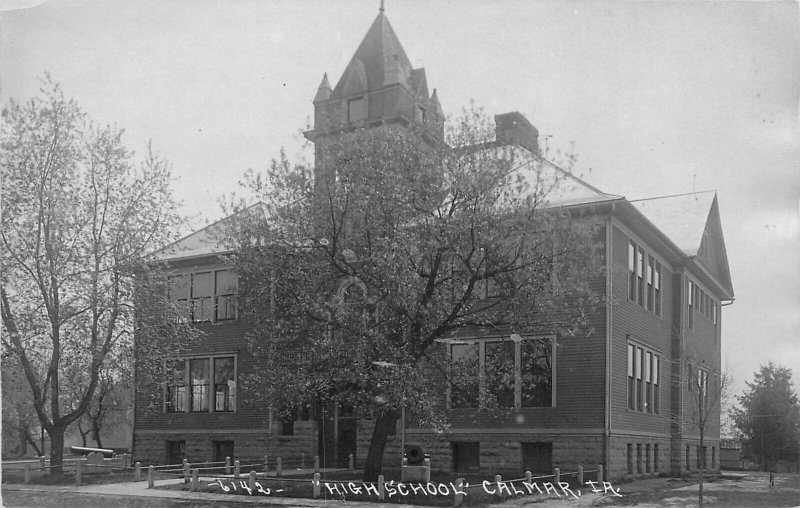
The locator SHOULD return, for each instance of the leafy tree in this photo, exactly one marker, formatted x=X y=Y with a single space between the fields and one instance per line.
x=355 y=275
x=768 y=419
x=79 y=217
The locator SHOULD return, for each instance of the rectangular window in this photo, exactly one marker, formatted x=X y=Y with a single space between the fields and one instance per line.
x=536 y=372
x=225 y=291
x=357 y=109
x=650 y=283
x=224 y=384
x=656 y=391
x=648 y=377
x=688 y=458
x=630 y=458
x=699 y=462
x=205 y=296
x=466 y=457
x=640 y=276
x=202 y=297
x=631 y=378
x=691 y=305
x=189 y=387
x=643 y=380
x=644 y=278
x=198 y=383
x=500 y=372
x=179 y=293
x=713 y=457
x=657 y=288
x=465 y=372
x=655 y=458
x=176 y=452
x=176 y=399
x=632 y=271
x=223 y=450
x=510 y=373
x=537 y=457
x=639 y=383
x=647 y=458
x=639 y=459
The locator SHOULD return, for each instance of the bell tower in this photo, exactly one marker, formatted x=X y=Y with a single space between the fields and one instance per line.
x=378 y=87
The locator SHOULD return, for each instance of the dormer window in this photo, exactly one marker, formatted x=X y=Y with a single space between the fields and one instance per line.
x=357 y=109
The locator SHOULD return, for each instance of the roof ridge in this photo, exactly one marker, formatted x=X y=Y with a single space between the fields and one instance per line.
x=673 y=195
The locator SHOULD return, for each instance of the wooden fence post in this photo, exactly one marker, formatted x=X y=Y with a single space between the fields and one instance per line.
x=580 y=476
x=459 y=497
x=528 y=477
x=187 y=472
x=236 y=469
x=78 y=468
x=43 y=461
x=27 y=473
x=195 y=486
x=137 y=471
x=316 y=463
x=557 y=474
x=600 y=472
x=279 y=467
x=251 y=480
x=151 y=480
x=316 y=485
x=227 y=465
x=498 y=480
x=381 y=487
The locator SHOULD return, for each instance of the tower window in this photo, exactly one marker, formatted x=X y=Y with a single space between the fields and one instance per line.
x=357 y=109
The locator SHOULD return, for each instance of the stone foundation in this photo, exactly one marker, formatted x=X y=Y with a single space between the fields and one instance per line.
x=152 y=448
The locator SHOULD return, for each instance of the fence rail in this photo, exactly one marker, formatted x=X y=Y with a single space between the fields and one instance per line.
x=229 y=474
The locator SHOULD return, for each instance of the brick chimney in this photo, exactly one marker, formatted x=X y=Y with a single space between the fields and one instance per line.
x=514 y=128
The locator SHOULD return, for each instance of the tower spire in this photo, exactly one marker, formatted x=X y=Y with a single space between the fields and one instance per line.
x=381 y=9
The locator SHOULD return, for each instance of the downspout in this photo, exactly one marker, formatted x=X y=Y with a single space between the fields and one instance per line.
x=609 y=329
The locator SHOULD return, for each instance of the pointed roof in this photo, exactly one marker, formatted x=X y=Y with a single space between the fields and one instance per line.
x=380 y=55
x=692 y=222
x=681 y=217
x=324 y=90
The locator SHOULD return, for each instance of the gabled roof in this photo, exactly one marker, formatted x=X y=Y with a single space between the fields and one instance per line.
x=208 y=241
x=692 y=222
x=381 y=55
x=682 y=217
x=570 y=190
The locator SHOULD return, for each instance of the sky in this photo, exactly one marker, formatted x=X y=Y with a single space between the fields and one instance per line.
x=658 y=98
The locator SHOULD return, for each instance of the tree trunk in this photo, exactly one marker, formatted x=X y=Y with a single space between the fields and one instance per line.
x=702 y=462
x=57 y=450
x=373 y=466
x=96 y=434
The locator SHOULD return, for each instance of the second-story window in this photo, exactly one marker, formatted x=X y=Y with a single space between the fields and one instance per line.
x=205 y=296
x=644 y=278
